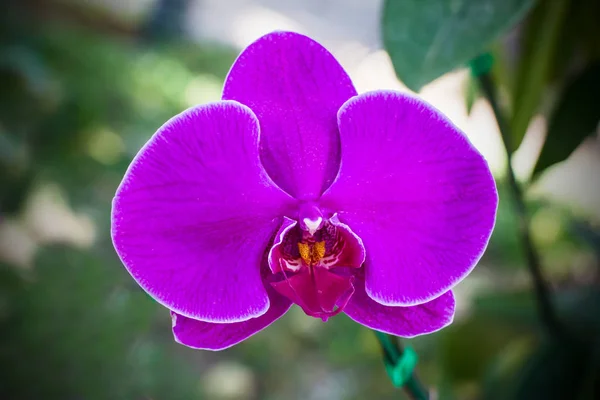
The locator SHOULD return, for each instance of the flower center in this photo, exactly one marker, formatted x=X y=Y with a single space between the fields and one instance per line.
x=311 y=253
x=313 y=264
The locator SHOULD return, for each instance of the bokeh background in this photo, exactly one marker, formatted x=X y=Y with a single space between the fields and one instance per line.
x=84 y=83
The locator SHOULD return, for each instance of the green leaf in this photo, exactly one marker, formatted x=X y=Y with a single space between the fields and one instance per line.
x=584 y=27
x=540 y=44
x=480 y=65
x=471 y=93
x=575 y=118
x=427 y=40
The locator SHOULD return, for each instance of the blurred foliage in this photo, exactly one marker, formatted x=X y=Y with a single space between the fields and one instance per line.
x=557 y=47
x=558 y=51
x=575 y=118
x=76 y=104
x=471 y=90
x=549 y=65
x=68 y=91
x=540 y=46
x=79 y=99
x=426 y=42
x=54 y=347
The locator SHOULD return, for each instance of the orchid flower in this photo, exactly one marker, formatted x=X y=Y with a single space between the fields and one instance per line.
x=294 y=189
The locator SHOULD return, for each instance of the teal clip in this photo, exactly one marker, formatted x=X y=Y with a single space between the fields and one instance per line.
x=401 y=372
x=399 y=366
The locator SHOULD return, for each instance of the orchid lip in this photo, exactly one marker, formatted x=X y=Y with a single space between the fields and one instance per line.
x=314 y=264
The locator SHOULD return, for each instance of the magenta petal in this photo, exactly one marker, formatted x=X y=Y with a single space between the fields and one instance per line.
x=353 y=254
x=317 y=292
x=401 y=321
x=275 y=257
x=416 y=191
x=219 y=336
x=295 y=87
x=196 y=211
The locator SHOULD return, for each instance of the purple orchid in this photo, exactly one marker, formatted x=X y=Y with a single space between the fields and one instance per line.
x=294 y=189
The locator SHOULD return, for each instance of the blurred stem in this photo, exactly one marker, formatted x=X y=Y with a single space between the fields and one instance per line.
x=393 y=353
x=546 y=309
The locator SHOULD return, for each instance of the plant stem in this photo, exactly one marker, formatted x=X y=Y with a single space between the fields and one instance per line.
x=544 y=303
x=393 y=352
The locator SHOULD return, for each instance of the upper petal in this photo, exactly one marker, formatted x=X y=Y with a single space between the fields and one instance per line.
x=416 y=191
x=195 y=212
x=295 y=87
x=400 y=321
x=219 y=336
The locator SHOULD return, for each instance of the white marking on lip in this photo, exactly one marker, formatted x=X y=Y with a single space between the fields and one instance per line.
x=312 y=225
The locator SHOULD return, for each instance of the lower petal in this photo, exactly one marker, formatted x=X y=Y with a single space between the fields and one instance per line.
x=400 y=321
x=219 y=336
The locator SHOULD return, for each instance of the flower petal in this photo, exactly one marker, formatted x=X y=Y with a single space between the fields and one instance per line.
x=317 y=292
x=219 y=336
x=417 y=193
x=353 y=253
x=295 y=87
x=276 y=257
x=400 y=321
x=195 y=212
